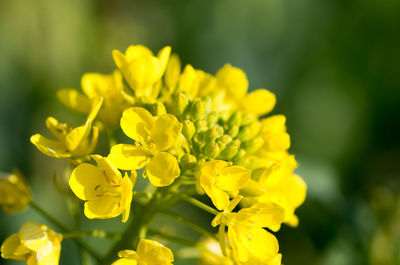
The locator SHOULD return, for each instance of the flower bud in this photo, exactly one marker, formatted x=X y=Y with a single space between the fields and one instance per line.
x=235 y=119
x=200 y=125
x=212 y=118
x=188 y=161
x=253 y=145
x=181 y=103
x=249 y=131
x=188 y=129
x=158 y=109
x=230 y=150
x=211 y=150
x=211 y=135
x=207 y=104
x=248 y=118
x=197 y=110
x=234 y=130
x=240 y=154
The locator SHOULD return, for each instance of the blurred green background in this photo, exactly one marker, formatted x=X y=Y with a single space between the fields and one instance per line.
x=334 y=65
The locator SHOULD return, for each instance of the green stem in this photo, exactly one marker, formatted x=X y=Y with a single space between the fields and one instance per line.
x=199 y=204
x=60 y=225
x=221 y=237
x=64 y=228
x=179 y=240
x=136 y=229
x=188 y=223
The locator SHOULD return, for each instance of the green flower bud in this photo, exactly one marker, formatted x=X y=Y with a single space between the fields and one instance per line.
x=181 y=103
x=211 y=150
x=233 y=131
x=253 y=145
x=230 y=150
x=211 y=135
x=188 y=129
x=207 y=104
x=188 y=161
x=239 y=156
x=212 y=118
x=249 y=131
x=197 y=109
x=235 y=119
x=226 y=139
x=200 y=125
x=248 y=118
x=158 y=109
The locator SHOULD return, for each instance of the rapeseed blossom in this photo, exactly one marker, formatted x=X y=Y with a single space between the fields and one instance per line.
x=153 y=137
x=34 y=243
x=193 y=133
x=70 y=142
x=106 y=192
x=96 y=85
x=149 y=252
x=15 y=194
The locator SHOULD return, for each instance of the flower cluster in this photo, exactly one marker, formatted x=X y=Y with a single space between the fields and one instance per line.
x=191 y=134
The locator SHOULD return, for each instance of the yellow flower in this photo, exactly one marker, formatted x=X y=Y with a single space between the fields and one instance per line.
x=247 y=236
x=71 y=142
x=15 y=193
x=196 y=83
x=278 y=184
x=106 y=192
x=211 y=253
x=35 y=243
x=153 y=137
x=273 y=132
x=232 y=85
x=219 y=180
x=95 y=85
x=148 y=252
x=141 y=69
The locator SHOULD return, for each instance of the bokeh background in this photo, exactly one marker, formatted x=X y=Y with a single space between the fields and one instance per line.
x=334 y=65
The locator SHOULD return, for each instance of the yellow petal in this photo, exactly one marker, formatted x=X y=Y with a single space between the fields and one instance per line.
x=57 y=129
x=125 y=261
x=162 y=169
x=75 y=138
x=262 y=244
x=207 y=83
x=84 y=180
x=103 y=208
x=233 y=178
x=234 y=80
x=259 y=102
x=173 y=72
x=188 y=81
x=128 y=157
x=135 y=51
x=33 y=236
x=13 y=249
x=137 y=124
x=111 y=172
x=74 y=100
x=119 y=58
x=142 y=73
x=163 y=56
x=126 y=197
x=152 y=252
x=166 y=131
x=50 y=147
